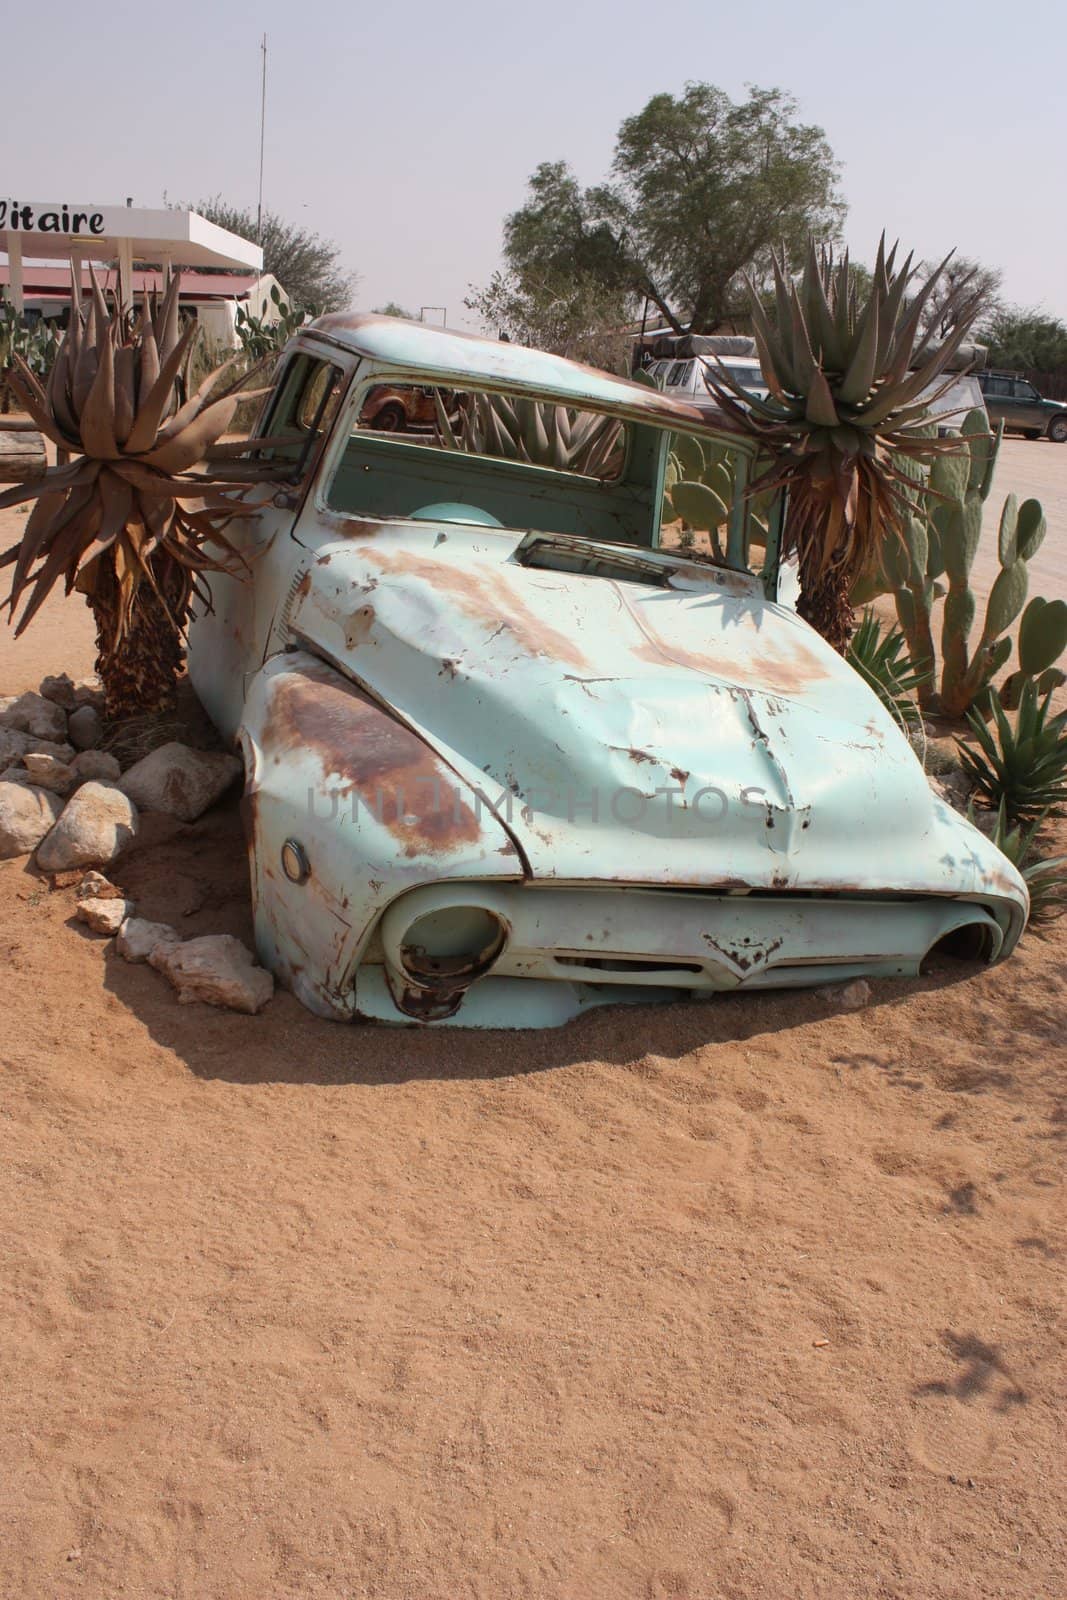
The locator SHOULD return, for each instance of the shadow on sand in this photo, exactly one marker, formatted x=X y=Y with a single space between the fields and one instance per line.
x=196 y=878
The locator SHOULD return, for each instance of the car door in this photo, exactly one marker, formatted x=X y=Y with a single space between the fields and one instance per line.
x=998 y=399
x=1027 y=409
x=227 y=638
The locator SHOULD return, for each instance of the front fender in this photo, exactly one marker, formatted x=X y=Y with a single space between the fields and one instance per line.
x=368 y=811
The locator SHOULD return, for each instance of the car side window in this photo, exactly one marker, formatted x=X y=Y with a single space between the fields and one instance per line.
x=302 y=409
x=998 y=388
x=1025 y=391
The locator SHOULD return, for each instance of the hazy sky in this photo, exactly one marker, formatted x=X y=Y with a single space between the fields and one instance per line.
x=406 y=132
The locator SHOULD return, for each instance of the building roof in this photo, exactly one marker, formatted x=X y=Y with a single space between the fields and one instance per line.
x=455 y=357
x=45 y=229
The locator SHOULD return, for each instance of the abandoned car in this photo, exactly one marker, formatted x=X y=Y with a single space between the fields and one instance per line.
x=508 y=754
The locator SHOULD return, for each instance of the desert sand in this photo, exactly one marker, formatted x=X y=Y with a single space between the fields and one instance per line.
x=725 y=1301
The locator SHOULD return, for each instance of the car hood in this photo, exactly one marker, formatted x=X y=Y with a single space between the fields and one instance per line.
x=644 y=720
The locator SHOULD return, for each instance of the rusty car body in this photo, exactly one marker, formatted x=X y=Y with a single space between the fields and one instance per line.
x=508 y=757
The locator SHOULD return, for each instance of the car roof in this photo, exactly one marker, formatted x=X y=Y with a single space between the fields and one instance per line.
x=455 y=357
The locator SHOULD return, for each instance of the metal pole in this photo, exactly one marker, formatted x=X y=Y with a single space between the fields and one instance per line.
x=14 y=261
x=262 y=139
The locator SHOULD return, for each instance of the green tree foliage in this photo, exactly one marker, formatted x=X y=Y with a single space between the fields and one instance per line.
x=701 y=189
x=392 y=309
x=1026 y=339
x=305 y=265
x=572 y=316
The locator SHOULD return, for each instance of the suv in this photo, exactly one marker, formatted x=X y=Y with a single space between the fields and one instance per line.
x=1017 y=403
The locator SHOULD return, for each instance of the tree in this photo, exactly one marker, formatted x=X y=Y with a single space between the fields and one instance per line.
x=574 y=317
x=985 y=282
x=305 y=265
x=392 y=309
x=702 y=189
x=1026 y=339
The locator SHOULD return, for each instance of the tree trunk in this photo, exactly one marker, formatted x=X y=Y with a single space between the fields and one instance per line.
x=825 y=604
x=140 y=677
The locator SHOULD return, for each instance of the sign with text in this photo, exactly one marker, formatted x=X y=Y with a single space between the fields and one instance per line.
x=84 y=221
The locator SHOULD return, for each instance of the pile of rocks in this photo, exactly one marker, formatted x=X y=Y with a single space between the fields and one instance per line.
x=70 y=804
x=216 y=968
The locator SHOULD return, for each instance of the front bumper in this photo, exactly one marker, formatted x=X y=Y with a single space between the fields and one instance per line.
x=566 y=949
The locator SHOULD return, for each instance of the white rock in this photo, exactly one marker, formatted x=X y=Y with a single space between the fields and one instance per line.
x=94 y=886
x=48 y=773
x=98 y=822
x=180 y=781
x=85 y=728
x=846 y=996
x=217 y=969
x=33 y=714
x=138 y=938
x=60 y=690
x=95 y=764
x=26 y=816
x=104 y=916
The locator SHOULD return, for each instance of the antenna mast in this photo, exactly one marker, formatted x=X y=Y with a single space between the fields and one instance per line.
x=262 y=137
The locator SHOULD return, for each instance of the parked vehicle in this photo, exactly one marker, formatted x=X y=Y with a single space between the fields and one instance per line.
x=685 y=378
x=506 y=758
x=389 y=409
x=1015 y=402
x=682 y=365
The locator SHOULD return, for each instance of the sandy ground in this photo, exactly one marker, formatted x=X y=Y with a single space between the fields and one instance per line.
x=728 y=1301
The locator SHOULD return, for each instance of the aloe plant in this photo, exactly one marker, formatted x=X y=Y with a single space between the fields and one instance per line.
x=883 y=663
x=127 y=521
x=1045 y=876
x=845 y=382
x=536 y=431
x=1023 y=768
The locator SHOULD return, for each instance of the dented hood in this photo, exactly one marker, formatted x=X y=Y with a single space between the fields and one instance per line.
x=650 y=722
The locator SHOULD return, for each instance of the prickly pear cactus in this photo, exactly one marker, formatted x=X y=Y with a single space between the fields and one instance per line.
x=1042 y=640
x=966 y=675
x=701 y=479
x=700 y=487
x=933 y=561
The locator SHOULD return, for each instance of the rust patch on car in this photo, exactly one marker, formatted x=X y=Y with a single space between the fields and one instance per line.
x=777 y=672
x=493 y=603
x=359 y=626
x=374 y=758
